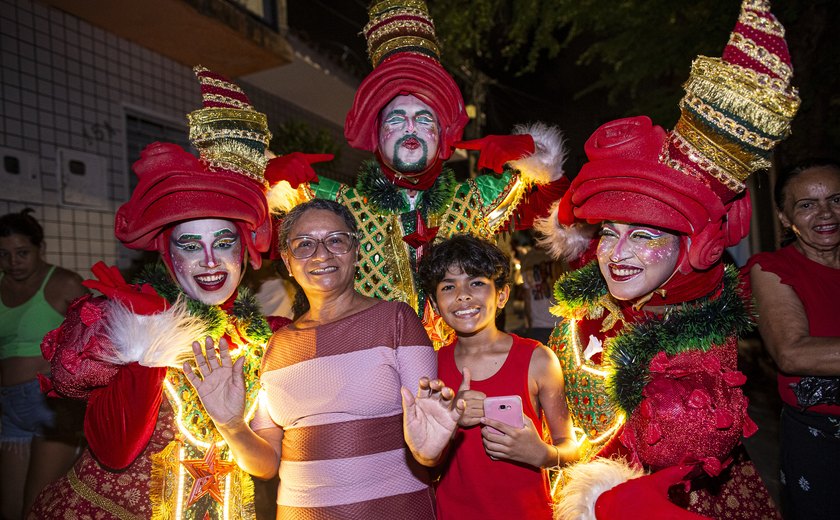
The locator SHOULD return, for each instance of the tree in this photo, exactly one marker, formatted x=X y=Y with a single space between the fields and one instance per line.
x=640 y=52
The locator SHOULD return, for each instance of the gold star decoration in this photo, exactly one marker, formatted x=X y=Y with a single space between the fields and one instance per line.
x=207 y=474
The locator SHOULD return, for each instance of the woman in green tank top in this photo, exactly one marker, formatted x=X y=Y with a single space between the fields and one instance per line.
x=39 y=438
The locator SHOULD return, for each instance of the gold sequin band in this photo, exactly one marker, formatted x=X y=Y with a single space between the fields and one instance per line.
x=744 y=159
x=211 y=115
x=425 y=21
x=761 y=55
x=756 y=5
x=707 y=156
x=203 y=134
x=238 y=158
x=398 y=28
x=218 y=98
x=213 y=82
x=95 y=498
x=769 y=26
x=730 y=89
x=379 y=7
x=400 y=42
x=733 y=128
x=700 y=161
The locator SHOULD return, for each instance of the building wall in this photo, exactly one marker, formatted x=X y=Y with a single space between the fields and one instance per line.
x=66 y=86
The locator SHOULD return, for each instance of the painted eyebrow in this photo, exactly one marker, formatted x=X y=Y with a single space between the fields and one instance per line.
x=188 y=236
x=424 y=113
x=394 y=112
x=224 y=231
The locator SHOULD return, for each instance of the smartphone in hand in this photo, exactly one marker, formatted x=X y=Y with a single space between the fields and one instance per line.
x=506 y=409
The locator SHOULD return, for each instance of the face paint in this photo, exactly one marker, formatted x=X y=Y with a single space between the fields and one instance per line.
x=636 y=260
x=207 y=259
x=408 y=135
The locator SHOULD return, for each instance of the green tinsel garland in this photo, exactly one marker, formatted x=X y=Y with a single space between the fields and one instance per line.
x=581 y=287
x=245 y=308
x=696 y=325
x=383 y=196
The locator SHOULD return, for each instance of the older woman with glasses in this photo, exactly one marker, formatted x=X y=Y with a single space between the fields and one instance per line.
x=331 y=421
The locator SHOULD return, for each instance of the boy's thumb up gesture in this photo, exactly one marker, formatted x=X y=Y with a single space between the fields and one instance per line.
x=474 y=401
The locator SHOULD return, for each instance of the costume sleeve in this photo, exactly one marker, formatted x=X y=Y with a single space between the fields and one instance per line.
x=416 y=357
x=510 y=198
x=121 y=417
x=536 y=204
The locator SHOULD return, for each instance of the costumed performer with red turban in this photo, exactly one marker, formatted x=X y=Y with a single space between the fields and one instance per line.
x=649 y=335
x=410 y=113
x=153 y=450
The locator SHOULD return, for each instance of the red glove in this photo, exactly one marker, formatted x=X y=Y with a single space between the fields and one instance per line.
x=497 y=150
x=645 y=497
x=294 y=168
x=140 y=299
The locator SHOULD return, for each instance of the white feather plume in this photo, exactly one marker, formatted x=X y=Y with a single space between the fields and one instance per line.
x=546 y=163
x=163 y=339
x=563 y=242
x=584 y=483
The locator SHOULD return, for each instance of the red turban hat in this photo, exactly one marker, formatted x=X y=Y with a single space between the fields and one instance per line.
x=226 y=182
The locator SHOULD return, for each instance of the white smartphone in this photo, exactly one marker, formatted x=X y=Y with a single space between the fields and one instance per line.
x=506 y=409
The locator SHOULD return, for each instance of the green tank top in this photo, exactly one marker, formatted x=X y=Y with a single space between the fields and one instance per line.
x=23 y=327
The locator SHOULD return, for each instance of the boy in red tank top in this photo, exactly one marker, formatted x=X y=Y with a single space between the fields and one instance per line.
x=486 y=474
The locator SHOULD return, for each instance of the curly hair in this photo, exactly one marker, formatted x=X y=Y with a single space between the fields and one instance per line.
x=472 y=255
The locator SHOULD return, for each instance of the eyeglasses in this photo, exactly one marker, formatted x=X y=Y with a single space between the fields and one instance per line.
x=336 y=243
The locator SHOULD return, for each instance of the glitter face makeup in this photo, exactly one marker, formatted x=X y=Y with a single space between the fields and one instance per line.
x=636 y=260
x=408 y=135
x=207 y=259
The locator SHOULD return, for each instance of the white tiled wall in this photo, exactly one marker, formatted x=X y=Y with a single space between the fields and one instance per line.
x=67 y=84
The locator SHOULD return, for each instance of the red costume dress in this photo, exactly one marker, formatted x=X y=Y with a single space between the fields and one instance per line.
x=153 y=450
x=145 y=424
x=653 y=376
x=473 y=485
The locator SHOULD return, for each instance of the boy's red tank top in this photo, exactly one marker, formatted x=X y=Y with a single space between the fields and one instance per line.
x=473 y=485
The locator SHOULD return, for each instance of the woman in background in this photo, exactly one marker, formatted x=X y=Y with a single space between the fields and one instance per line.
x=796 y=290
x=40 y=437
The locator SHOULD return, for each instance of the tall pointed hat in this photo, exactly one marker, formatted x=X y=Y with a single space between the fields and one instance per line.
x=226 y=181
x=692 y=180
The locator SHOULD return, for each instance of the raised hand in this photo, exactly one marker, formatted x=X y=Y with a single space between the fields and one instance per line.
x=517 y=444
x=473 y=402
x=219 y=382
x=430 y=419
